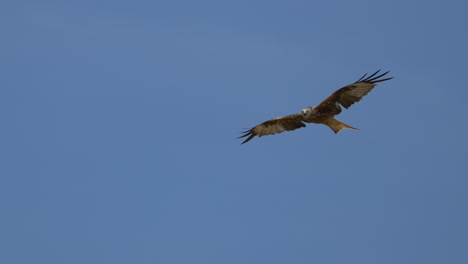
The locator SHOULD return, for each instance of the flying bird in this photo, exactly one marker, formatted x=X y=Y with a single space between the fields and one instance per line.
x=321 y=114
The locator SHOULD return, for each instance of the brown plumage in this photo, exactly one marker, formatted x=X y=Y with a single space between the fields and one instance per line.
x=321 y=114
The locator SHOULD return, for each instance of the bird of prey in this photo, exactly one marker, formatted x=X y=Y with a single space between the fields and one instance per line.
x=321 y=114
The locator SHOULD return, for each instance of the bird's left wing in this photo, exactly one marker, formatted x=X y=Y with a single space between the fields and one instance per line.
x=354 y=92
x=274 y=126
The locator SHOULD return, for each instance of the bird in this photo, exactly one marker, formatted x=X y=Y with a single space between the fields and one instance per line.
x=323 y=113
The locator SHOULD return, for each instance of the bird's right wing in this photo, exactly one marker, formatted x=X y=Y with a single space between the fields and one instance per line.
x=354 y=92
x=274 y=126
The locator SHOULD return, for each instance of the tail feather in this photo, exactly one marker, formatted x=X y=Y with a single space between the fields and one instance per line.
x=337 y=126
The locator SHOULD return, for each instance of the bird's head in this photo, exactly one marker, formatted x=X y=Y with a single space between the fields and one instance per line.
x=307 y=111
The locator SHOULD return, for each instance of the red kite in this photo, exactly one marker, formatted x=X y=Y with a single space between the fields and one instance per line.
x=321 y=114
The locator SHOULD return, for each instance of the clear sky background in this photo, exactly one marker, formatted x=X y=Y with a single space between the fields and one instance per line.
x=119 y=122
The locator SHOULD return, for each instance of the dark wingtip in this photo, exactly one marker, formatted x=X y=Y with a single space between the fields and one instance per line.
x=361 y=77
x=248 y=139
x=369 y=78
x=248 y=133
x=375 y=79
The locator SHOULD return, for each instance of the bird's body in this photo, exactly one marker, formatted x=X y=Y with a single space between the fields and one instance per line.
x=321 y=114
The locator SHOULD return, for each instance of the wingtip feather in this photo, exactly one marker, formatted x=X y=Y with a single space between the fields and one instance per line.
x=374 y=79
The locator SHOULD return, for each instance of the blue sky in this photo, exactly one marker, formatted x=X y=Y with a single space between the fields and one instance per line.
x=120 y=118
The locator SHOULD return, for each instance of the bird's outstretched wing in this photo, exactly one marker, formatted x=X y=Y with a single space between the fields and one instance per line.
x=274 y=126
x=354 y=92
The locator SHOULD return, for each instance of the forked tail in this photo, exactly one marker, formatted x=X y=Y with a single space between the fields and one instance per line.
x=336 y=125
